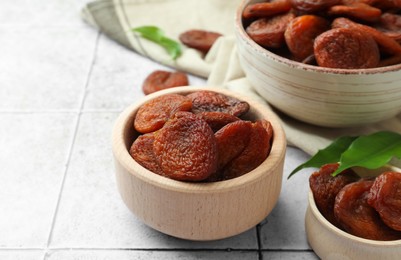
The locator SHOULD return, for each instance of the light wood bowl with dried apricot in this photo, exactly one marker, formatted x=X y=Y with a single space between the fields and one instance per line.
x=323 y=96
x=198 y=210
x=330 y=242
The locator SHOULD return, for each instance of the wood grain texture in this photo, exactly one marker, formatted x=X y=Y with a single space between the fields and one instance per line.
x=317 y=95
x=331 y=243
x=198 y=211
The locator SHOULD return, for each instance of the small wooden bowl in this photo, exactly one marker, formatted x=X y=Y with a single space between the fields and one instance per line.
x=331 y=243
x=198 y=211
x=321 y=96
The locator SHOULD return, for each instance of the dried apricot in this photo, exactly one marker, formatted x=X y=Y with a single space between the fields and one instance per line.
x=325 y=188
x=391 y=22
x=359 y=11
x=254 y=153
x=385 y=197
x=217 y=120
x=266 y=9
x=313 y=6
x=200 y=40
x=142 y=152
x=346 y=49
x=301 y=33
x=152 y=115
x=388 y=4
x=357 y=217
x=231 y=141
x=390 y=25
x=387 y=44
x=209 y=101
x=186 y=148
x=350 y=2
x=161 y=79
x=269 y=32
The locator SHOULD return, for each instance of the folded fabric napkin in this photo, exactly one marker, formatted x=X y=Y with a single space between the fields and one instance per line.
x=220 y=66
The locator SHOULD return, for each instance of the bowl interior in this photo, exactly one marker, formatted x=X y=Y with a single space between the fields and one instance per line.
x=240 y=25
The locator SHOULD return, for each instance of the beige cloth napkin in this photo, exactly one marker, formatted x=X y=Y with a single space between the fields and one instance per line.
x=220 y=66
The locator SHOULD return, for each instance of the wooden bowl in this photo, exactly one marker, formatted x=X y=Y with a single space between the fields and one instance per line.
x=317 y=95
x=198 y=211
x=331 y=243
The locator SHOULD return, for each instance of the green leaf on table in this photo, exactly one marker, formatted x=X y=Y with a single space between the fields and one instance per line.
x=156 y=35
x=330 y=154
x=371 y=151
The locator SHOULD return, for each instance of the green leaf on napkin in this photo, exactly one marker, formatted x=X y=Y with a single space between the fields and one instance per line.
x=330 y=154
x=370 y=151
x=157 y=36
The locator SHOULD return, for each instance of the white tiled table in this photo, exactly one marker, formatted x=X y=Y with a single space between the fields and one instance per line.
x=62 y=85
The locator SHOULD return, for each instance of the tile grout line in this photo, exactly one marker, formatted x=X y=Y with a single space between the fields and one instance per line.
x=49 y=238
x=260 y=255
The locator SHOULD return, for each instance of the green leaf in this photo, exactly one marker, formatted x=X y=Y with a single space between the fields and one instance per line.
x=371 y=151
x=330 y=154
x=156 y=35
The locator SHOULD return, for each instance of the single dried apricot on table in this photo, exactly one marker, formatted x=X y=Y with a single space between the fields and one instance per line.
x=209 y=101
x=142 y=152
x=385 y=197
x=254 y=153
x=200 y=40
x=186 y=148
x=345 y=48
x=152 y=115
x=357 y=217
x=161 y=79
x=325 y=188
x=266 y=9
x=301 y=33
x=269 y=32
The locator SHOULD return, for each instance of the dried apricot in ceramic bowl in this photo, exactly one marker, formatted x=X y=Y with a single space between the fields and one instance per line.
x=198 y=210
x=322 y=96
x=331 y=243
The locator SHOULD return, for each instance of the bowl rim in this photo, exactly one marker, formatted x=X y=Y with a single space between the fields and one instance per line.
x=121 y=152
x=344 y=235
x=239 y=28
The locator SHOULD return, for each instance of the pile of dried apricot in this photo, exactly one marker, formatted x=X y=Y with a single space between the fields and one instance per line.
x=367 y=208
x=344 y=34
x=199 y=137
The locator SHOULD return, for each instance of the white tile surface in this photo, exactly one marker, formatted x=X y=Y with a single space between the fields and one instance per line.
x=149 y=255
x=33 y=159
x=284 y=227
x=91 y=213
x=44 y=68
x=117 y=77
x=21 y=254
x=41 y=13
x=289 y=256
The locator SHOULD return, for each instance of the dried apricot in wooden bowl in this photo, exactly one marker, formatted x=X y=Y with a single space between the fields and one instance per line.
x=275 y=51
x=198 y=210
x=338 y=240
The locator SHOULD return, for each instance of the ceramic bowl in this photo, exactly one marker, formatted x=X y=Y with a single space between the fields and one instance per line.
x=317 y=95
x=331 y=243
x=198 y=211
